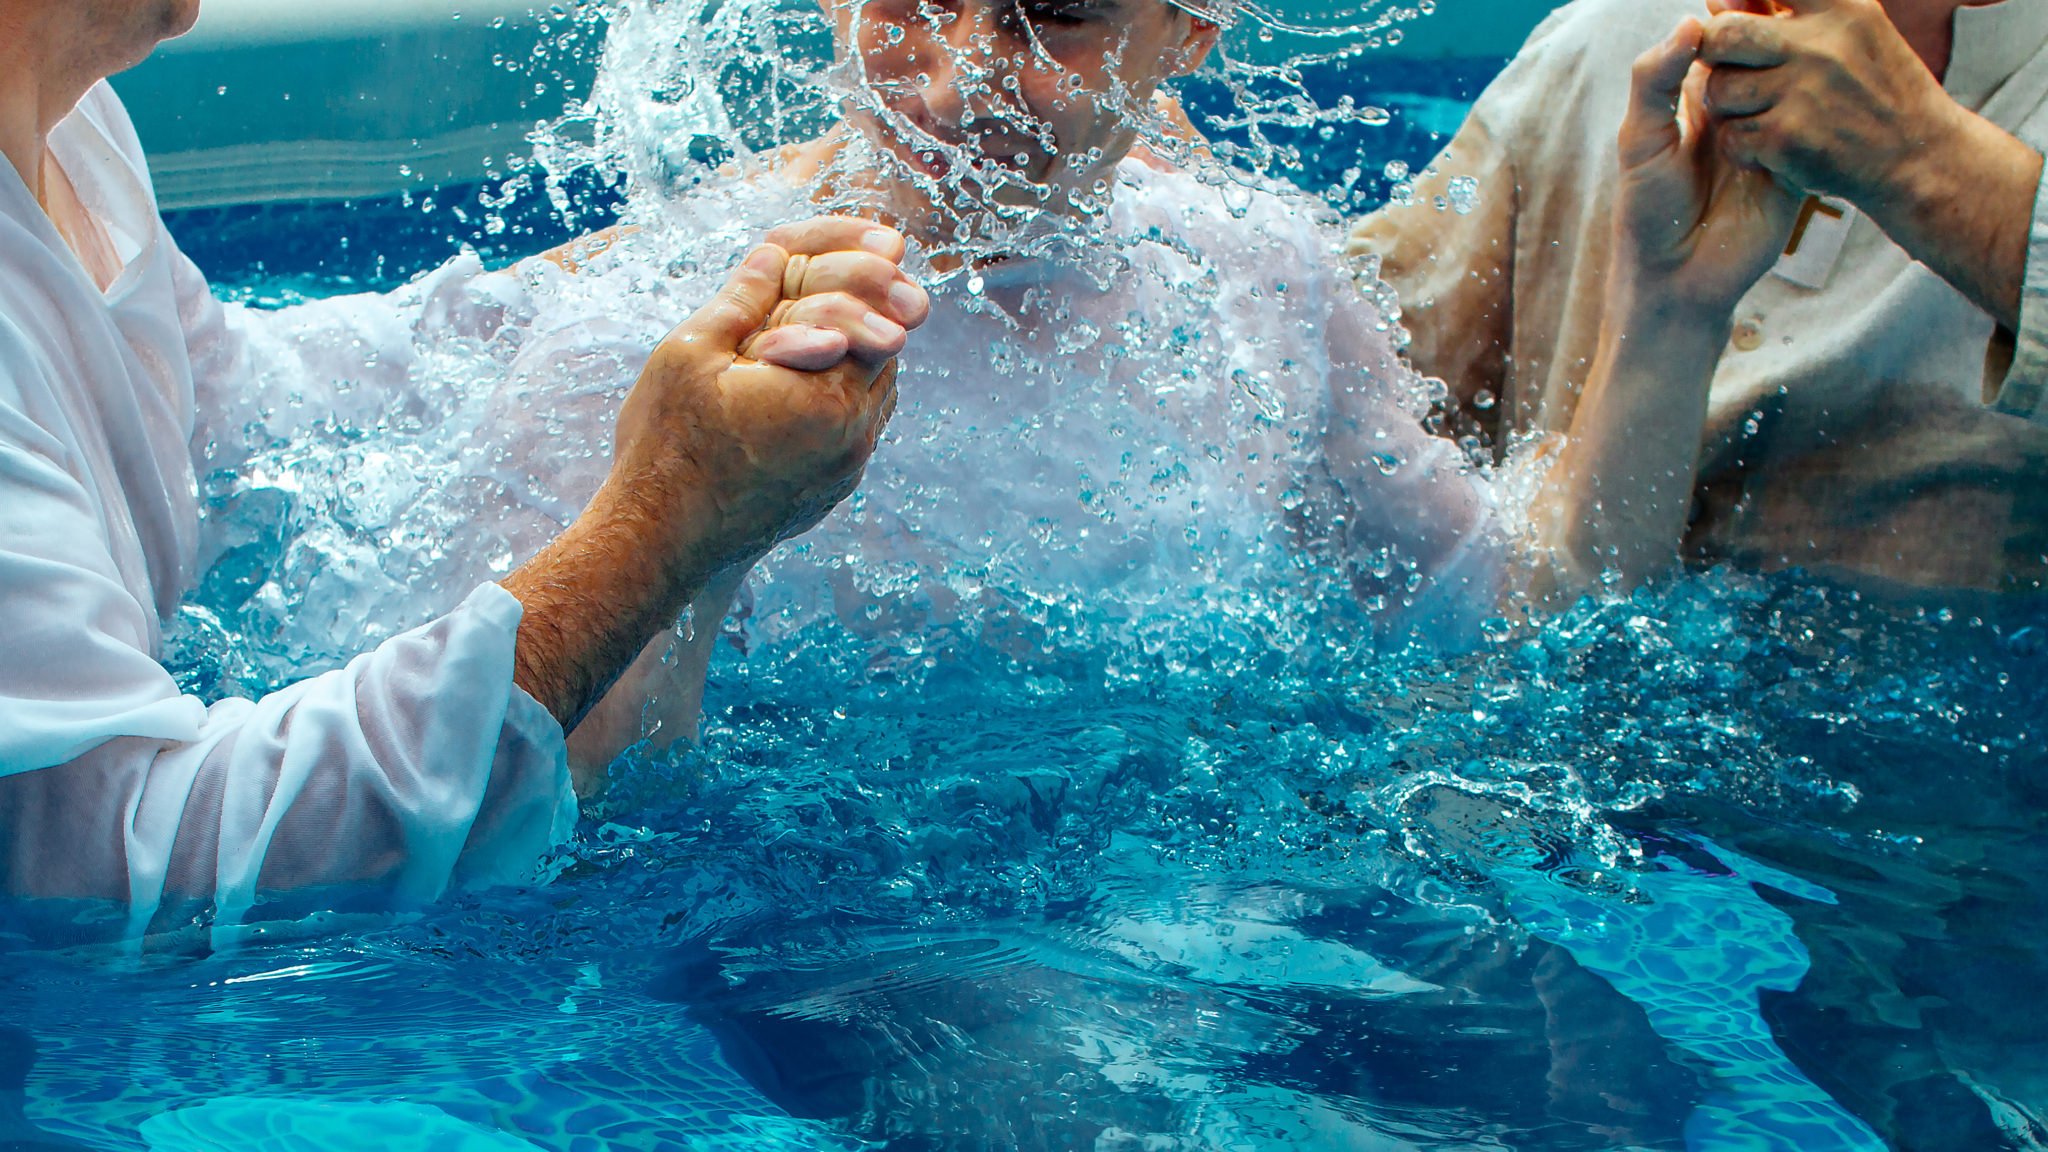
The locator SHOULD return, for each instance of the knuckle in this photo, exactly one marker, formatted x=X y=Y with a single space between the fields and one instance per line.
x=842 y=303
x=873 y=268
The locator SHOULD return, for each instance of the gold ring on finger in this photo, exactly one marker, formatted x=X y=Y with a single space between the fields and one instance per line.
x=793 y=277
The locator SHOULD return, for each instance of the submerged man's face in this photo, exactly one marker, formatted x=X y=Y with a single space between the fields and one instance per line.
x=1046 y=91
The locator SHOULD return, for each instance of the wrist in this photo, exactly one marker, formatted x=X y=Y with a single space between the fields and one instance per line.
x=1939 y=146
x=1663 y=316
x=1963 y=204
x=661 y=527
x=1953 y=170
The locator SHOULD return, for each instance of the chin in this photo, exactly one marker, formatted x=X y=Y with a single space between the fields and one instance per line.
x=178 y=18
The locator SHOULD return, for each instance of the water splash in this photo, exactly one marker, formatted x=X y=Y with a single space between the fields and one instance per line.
x=1021 y=720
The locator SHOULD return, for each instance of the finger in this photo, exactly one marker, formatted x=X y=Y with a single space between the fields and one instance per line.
x=1738 y=38
x=1692 y=103
x=1747 y=142
x=871 y=337
x=838 y=234
x=800 y=348
x=1657 y=84
x=877 y=281
x=883 y=391
x=793 y=274
x=743 y=306
x=1732 y=91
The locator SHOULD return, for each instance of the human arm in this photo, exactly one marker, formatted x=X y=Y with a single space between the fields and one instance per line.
x=705 y=480
x=1833 y=100
x=660 y=696
x=1692 y=234
x=827 y=286
x=418 y=766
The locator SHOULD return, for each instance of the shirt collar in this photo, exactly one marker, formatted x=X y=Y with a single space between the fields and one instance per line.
x=1992 y=42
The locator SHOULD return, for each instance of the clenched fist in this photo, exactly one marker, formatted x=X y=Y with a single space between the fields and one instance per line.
x=755 y=417
x=750 y=422
x=1831 y=97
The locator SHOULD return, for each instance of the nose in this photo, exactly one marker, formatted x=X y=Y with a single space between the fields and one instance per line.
x=974 y=52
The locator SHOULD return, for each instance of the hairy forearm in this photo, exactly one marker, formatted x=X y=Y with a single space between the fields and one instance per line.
x=659 y=697
x=1618 y=498
x=1962 y=203
x=601 y=591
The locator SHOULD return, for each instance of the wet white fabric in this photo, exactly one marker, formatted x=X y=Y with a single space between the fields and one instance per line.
x=417 y=766
x=1221 y=416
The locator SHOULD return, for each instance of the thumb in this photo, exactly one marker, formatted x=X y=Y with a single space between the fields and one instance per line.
x=1657 y=84
x=745 y=304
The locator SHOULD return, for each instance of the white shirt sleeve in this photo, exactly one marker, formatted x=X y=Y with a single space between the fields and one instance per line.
x=264 y=376
x=418 y=767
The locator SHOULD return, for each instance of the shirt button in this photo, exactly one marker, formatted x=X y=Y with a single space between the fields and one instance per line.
x=1749 y=336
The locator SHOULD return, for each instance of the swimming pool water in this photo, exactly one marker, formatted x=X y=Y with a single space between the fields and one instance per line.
x=1741 y=862
x=1748 y=863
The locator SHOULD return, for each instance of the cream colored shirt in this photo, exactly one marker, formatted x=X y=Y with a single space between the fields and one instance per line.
x=1867 y=425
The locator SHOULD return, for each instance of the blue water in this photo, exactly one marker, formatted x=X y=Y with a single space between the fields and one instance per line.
x=1749 y=863
x=1741 y=863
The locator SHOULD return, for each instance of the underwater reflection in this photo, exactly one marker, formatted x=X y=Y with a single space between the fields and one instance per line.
x=17 y=1132
x=1267 y=1016
x=1057 y=1033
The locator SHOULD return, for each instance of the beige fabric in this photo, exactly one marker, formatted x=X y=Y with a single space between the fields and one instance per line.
x=1869 y=426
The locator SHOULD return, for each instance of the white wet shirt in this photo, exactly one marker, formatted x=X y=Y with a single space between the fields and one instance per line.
x=417 y=766
x=1218 y=434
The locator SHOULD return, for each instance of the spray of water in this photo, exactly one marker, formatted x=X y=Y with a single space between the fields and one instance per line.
x=1065 y=672
x=1151 y=502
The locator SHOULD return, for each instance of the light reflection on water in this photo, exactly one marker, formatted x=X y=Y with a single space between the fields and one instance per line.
x=1422 y=904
